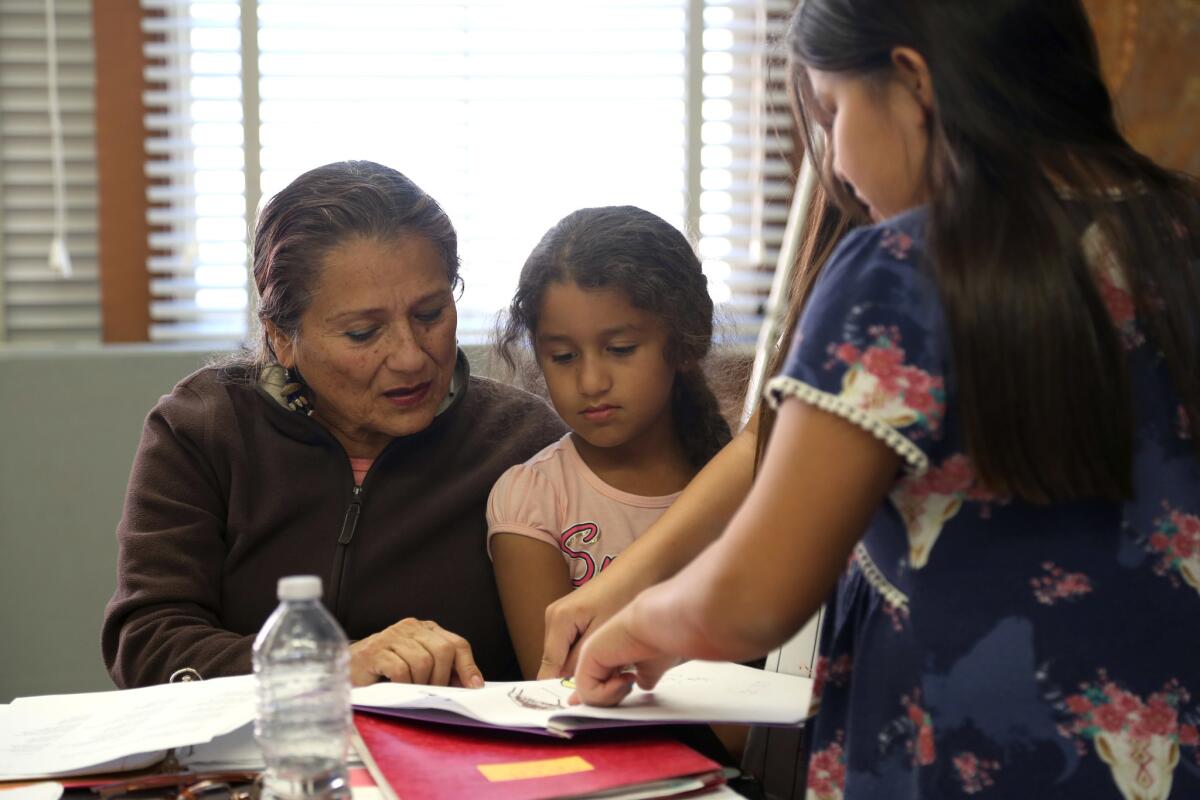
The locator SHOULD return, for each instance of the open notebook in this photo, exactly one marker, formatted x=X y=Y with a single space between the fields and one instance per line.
x=694 y=692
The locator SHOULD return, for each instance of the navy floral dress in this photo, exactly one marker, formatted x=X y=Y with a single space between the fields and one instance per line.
x=978 y=645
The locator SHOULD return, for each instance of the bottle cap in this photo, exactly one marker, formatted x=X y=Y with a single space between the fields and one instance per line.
x=299 y=587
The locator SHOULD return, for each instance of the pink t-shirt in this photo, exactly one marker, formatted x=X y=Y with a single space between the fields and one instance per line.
x=555 y=498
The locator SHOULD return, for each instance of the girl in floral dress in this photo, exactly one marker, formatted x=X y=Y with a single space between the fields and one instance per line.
x=986 y=459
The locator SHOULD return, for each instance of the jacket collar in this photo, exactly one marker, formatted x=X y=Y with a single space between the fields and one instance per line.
x=303 y=428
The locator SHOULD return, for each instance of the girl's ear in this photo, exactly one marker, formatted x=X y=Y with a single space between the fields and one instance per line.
x=913 y=72
x=282 y=345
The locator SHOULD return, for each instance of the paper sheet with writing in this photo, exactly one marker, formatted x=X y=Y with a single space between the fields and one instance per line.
x=697 y=691
x=60 y=734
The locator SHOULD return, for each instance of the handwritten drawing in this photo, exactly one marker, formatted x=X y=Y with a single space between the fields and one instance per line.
x=535 y=698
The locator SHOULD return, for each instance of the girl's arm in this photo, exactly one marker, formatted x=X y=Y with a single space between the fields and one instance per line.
x=530 y=575
x=693 y=521
x=821 y=482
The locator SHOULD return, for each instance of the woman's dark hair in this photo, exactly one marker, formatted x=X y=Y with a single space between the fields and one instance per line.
x=644 y=257
x=315 y=213
x=1023 y=138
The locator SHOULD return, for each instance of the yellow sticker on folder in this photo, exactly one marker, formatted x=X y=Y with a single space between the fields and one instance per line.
x=524 y=770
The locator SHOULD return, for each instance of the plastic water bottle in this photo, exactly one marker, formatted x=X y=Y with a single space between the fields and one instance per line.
x=302 y=672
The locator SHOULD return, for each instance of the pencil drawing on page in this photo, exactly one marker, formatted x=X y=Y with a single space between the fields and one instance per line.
x=535 y=698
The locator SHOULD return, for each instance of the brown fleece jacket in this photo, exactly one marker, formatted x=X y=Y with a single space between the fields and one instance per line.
x=230 y=491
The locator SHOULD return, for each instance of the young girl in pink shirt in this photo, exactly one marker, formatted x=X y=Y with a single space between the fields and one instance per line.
x=616 y=310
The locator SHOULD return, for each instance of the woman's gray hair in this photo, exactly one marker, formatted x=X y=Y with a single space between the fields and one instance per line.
x=315 y=213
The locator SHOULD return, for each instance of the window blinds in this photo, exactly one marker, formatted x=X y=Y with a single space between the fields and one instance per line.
x=195 y=162
x=748 y=177
x=705 y=148
x=511 y=114
x=719 y=170
x=39 y=305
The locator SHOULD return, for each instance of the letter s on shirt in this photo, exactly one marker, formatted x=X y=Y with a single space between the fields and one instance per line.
x=573 y=540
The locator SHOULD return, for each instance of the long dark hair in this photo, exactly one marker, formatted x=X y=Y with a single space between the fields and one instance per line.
x=1022 y=134
x=823 y=227
x=318 y=211
x=643 y=256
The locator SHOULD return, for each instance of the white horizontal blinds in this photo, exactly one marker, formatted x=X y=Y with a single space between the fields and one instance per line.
x=198 y=239
x=746 y=179
x=38 y=304
x=511 y=114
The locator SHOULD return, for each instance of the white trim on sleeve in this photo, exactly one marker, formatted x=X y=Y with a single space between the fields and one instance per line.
x=874 y=576
x=782 y=387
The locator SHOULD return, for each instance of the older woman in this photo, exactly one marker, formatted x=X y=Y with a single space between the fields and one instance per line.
x=353 y=444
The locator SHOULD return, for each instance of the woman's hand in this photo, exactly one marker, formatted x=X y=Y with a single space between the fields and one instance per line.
x=414 y=651
x=613 y=659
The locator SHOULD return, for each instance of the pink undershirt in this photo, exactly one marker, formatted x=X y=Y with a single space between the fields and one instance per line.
x=360 y=467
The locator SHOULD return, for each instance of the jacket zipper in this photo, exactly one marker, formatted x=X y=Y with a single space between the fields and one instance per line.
x=349 y=524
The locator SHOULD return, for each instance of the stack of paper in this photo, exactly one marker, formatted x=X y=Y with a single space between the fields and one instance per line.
x=58 y=735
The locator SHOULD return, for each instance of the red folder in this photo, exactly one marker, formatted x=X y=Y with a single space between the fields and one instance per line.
x=423 y=760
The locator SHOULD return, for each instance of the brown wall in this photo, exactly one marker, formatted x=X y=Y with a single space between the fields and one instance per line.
x=1151 y=55
x=120 y=164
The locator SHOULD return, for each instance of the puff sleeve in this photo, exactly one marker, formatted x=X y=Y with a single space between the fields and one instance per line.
x=871 y=344
x=524 y=501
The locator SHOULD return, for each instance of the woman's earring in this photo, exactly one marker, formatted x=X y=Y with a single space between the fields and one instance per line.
x=293 y=394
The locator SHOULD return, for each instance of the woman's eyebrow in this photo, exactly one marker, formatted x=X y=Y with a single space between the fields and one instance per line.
x=379 y=311
x=357 y=313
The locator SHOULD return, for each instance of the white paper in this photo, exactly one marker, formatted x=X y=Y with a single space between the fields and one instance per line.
x=36 y=791
x=57 y=734
x=697 y=691
x=237 y=749
x=722 y=791
x=687 y=786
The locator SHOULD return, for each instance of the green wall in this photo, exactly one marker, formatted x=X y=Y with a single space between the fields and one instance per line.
x=70 y=423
